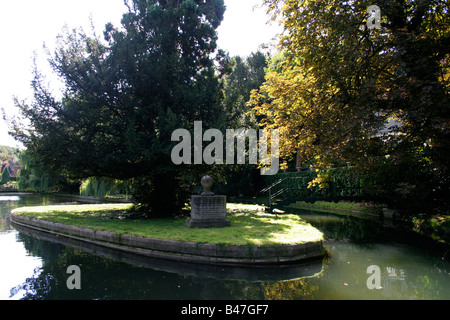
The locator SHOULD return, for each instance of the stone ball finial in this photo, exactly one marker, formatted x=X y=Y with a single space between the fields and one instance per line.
x=207 y=183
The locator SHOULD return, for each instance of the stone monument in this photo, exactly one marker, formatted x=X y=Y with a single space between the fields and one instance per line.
x=208 y=210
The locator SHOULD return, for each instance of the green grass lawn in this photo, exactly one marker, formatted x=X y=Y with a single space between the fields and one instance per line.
x=339 y=207
x=250 y=225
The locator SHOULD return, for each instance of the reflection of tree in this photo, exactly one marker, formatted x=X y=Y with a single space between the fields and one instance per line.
x=300 y=289
x=107 y=279
x=3 y=224
x=244 y=290
x=5 y=208
x=104 y=279
x=38 y=287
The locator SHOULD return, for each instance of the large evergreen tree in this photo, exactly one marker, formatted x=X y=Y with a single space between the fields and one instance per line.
x=125 y=95
x=247 y=74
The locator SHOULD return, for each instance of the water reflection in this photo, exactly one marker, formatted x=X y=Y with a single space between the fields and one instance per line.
x=106 y=279
x=16 y=264
x=9 y=198
x=108 y=274
x=260 y=273
x=411 y=268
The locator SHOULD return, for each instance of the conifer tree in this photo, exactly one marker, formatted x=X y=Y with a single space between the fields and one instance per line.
x=125 y=95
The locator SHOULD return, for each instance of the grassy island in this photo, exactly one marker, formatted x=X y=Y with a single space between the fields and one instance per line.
x=250 y=225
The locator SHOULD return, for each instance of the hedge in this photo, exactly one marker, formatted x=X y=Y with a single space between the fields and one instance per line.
x=341 y=182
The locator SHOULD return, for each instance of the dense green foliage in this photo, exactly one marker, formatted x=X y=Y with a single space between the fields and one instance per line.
x=247 y=74
x=380 y=184
x=340 y=83
x=8 y=153
x=125 y=95
x=335 y=183
x=5 y=177
x=338 y=92
x=102 y=187
x=9 y=158
x=34 y=178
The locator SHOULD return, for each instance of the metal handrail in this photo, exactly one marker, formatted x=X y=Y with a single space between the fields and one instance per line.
x=290 y=188
x=281 y=191
x=269 y=189
x=273 y=185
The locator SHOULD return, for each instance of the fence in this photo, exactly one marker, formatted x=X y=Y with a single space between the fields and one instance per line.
x=341 y=183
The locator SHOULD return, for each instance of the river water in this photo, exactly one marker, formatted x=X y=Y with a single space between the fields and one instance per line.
x=34 y=267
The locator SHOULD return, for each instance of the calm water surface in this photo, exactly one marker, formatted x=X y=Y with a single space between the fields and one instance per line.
x=34 y=267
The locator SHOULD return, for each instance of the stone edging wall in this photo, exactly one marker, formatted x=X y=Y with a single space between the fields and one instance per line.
x=184 y=251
